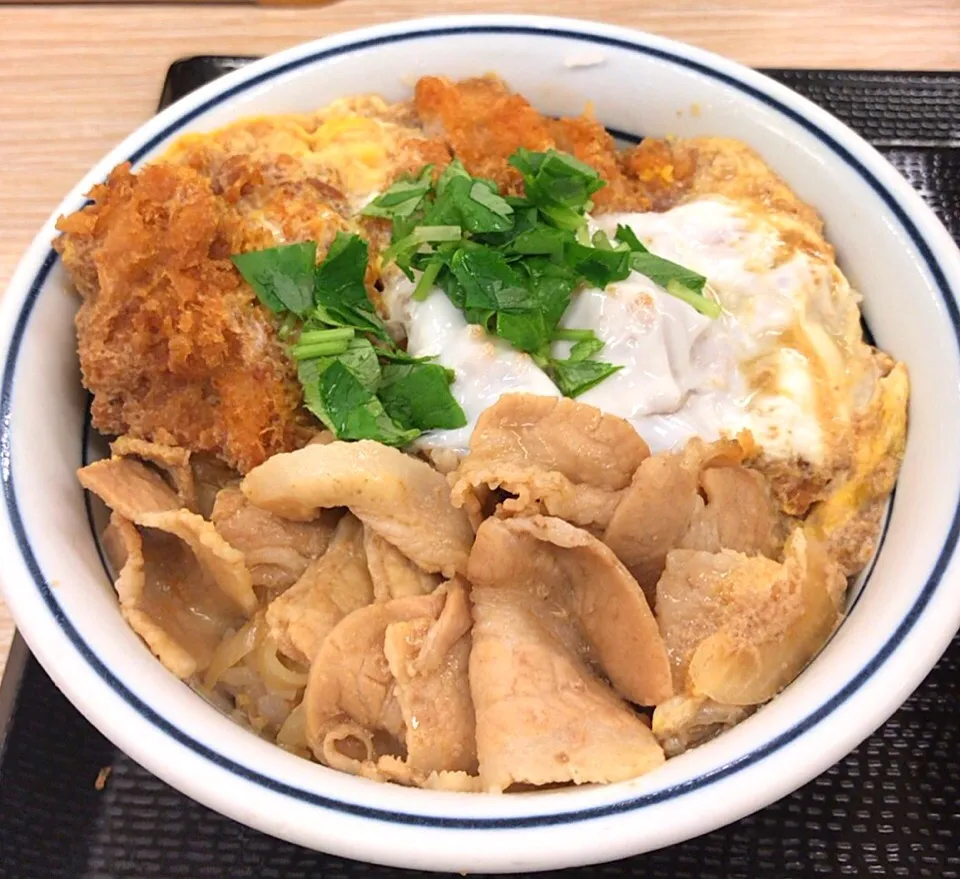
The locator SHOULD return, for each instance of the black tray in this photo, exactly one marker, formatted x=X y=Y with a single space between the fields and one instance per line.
x=891 y=808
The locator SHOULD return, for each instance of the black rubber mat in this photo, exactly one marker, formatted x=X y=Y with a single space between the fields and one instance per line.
x=891 y=808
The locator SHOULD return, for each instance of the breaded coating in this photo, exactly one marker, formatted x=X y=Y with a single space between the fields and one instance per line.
x=484 y=123
x=662 y=170
x=172 y=342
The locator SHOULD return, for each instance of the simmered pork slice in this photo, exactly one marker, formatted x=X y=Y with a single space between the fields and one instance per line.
x=662 y=509
x=543 y=716
x=739 y=514
x=128 y=487
x=582 y=589
x=400 y=497
x=429 y=661
x=556 y=456
x=210 y=475
x=141 y=496
x=173 y=460
x=652 y=517
x=276 y=550
x=169 y=594
x=333 y=586
x=390 y=678
x=393 y=574
x=739 y=629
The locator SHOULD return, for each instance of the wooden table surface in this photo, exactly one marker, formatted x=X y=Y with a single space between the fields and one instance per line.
x=76 y=79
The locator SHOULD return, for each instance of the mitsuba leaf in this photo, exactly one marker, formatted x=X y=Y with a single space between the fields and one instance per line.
x=417 y=396
x=659 y=270
x=360 y=359
x=575 y=377
x=472 y=203
x=340 y=293
x=486 y=282
x=557 y=183
x=282 y=277
x=627 y=236
x=599 y=267
x=403 y=198
x=542 y=241
x=353 y=412
x=585 y=349
x=662 y=271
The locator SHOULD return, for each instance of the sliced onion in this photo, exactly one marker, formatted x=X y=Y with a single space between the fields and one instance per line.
x=293 y=734
x=275 y=675
x=234 y=648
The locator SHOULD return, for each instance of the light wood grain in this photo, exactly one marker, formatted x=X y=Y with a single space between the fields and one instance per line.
x=75 y=80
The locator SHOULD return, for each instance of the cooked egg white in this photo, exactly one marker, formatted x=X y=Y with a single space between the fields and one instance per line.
x=485 y=367
x=682 y=374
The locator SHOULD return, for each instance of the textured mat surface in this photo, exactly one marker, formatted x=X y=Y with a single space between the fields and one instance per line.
x=891 y=808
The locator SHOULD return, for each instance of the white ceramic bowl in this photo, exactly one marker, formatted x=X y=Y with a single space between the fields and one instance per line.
x=890 y=245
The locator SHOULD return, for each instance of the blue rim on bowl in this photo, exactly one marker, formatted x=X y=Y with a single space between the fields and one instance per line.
x=263 y=72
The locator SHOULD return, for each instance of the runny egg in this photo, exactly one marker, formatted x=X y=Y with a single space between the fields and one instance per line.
x=772 y=363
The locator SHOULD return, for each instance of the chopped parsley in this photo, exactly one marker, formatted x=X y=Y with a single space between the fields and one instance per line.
x=512 y=264
x=354 y=379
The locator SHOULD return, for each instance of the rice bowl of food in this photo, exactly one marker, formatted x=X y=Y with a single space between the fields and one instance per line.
x=418 y=435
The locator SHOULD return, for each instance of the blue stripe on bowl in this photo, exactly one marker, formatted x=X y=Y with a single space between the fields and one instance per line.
x=438 y=821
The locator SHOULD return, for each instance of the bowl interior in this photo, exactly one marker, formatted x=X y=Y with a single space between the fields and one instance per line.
x=64 y=602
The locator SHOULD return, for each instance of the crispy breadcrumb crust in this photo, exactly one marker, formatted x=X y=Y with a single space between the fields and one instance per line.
x=484 y=123
x=172 y=342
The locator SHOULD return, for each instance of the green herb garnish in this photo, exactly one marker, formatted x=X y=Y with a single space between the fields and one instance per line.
x=353 y=411
x=282 y=277
x=575 y=377
x=418 y=393
x=339 y=289
x=512 y=263
x=357 y=389
x=403 y=198
x=675 y=279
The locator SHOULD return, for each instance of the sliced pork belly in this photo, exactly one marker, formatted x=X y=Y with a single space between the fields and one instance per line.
x=663 y=509
x=652 y=517
x=128 y=487
x=172 y=460
x=580 y=581
x=277 y=551
x=553 y=455
x=138 y=494
x=393 y=574
x=333 y=586
x=400 y=497
x=388 y=696
x=543 y=716
x=176 y=598
x=739 y=514
x=429 y=660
